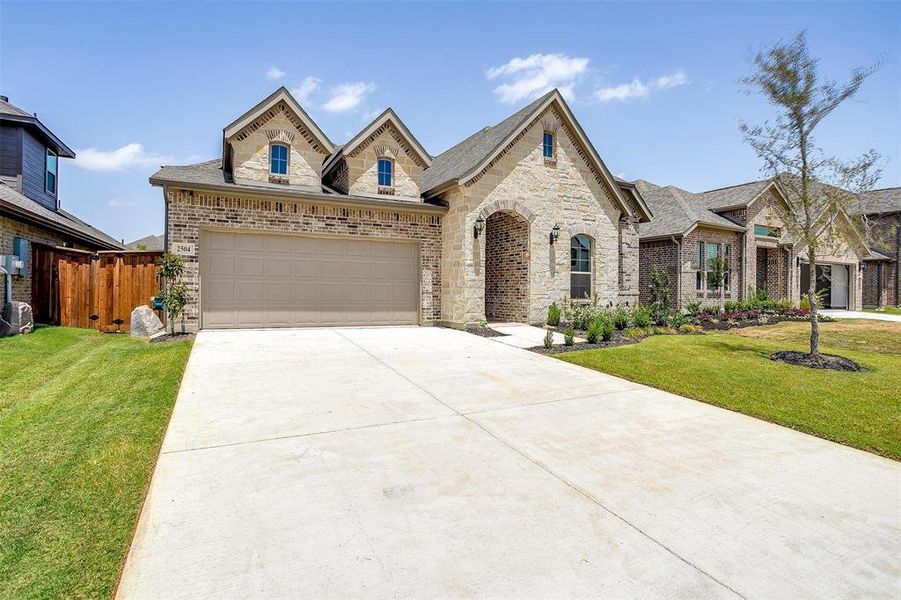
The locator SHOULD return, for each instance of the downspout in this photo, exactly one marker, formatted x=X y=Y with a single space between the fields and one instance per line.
x=7 y=287
x=678 y=272
x=897 y=262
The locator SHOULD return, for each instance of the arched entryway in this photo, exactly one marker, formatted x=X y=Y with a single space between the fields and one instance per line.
x=506 y=267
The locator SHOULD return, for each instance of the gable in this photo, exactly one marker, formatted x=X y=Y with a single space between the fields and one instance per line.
x=279 y=103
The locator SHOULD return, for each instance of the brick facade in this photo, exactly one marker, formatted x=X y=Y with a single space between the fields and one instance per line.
x=689 y=266
x=10 y=229
x=188 y=212
x=880 y=279
x=506 y=267
x=662 y=255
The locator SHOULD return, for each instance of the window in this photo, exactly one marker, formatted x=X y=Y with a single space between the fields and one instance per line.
x=548 y=145
x=580 y=267
x=386 y=172
x=278 y=159
x=767 y=231
x=50 y=179
x=705 y=252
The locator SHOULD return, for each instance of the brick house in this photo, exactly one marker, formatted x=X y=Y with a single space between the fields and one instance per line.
x=742 y=224
x=287 y=228
x=881 y=212
x=30 y=208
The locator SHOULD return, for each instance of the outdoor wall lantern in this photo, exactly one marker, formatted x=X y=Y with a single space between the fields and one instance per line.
x=555 y=233
x=478 y=227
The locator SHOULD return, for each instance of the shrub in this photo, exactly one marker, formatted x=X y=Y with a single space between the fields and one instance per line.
x=711 y=309
x=594 y=331
x=677 y=320
x=660 y=301
x=641 y=317
x=569 y=336
x=805 y=303
x=620 y=318
x=553 y=314
x=548 y=338
x=690 y=329
x=693 y=308
x=635 y=332
x=732 y=305
x=607 y=330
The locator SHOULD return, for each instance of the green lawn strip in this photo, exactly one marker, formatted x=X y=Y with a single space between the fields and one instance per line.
x=888 y=310
x=733 y=371
x=77 y=447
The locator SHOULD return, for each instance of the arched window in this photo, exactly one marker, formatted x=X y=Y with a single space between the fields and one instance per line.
x=386 y=172
x=278 y=159
x=580 y=267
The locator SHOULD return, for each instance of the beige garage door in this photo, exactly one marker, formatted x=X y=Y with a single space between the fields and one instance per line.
x=272 y=280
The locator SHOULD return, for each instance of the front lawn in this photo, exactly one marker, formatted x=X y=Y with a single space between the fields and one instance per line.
x=82 y=415
x=887 y=310
x=731 y=369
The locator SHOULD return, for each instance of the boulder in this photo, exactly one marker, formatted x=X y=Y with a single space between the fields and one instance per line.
x=16 y=318
x=144 y=322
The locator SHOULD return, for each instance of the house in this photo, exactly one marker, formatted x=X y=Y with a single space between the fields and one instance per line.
x=30 y=207
x=287 y=228
x=881 y=212
x=742 y=224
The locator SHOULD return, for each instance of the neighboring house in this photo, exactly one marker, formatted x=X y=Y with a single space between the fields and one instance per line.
x=881 y=210
x=286 y=228
x=742 y=224
x=30 y=208
x=148 y=243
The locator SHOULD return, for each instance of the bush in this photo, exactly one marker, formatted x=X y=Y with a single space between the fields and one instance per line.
x=553 y=315
x=805 y=303
x=620 y=318
x=693 y=308
x=594 y=331
x=581 y=315
x=642 y=316
x=690 y=329
x=607 y=330
x=569 y=336
x=660 y=300
x=548 y=339
x=732 y=305
x=677 y=320
x=636 y=332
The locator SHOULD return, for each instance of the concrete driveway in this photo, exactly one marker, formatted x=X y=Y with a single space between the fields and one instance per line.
x=431 y=463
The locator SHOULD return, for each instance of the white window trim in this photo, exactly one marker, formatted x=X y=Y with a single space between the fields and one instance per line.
x=287 y=159
x=393 y=172
x=49 y=152
x=589 y=272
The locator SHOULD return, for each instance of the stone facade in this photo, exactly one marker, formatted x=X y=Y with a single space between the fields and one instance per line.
x=563 y=191
x=629 y=277
x=506 y=267
x=189 y=212
x=250 y=149
x=362 y=165
x=10 y=229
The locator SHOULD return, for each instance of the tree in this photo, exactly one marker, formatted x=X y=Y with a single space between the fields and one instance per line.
x=660 y=300
x=716 y=275
x=175 y=298
x=819 y=188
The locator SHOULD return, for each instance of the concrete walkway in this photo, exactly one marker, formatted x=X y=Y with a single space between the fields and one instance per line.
x=521 y=335
x=431 y=463
x=856 y=314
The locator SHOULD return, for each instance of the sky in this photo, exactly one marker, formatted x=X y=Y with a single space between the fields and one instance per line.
x=133 y=85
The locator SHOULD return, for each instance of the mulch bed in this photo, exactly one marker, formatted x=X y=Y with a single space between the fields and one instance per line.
x=818 y=361
x=620 y=341
x=171 y=337
x=484 y=332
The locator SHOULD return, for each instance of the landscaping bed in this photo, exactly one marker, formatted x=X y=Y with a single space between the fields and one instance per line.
x=82 y=416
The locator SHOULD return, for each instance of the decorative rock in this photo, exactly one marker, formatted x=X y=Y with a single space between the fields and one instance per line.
x=16 y=318
x=144 y=322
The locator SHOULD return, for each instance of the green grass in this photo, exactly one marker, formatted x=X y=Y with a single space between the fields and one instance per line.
x=888 y=310
x=82 y=415
x=731 y=369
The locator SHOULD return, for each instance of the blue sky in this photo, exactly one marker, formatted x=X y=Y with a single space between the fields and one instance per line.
x=132 y=85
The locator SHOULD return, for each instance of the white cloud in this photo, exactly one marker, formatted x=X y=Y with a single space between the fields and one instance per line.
x=533 y=75
x=129 y=155
x=274 y=73
x=307 y=87
x=623 y=92
x=671 y=80
x=120 y=203
x=347 y=96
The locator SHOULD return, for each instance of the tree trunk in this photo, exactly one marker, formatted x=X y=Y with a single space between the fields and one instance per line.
x=812 y=298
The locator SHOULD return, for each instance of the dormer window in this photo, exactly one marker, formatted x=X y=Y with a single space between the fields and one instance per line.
x=278 y=159
x=50 y=172
x=548 y=145
x=386 y=173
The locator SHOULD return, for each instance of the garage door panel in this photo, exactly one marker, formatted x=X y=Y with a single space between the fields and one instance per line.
x=270 y=280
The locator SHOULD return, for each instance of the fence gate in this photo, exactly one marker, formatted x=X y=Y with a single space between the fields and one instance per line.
x=74 y=288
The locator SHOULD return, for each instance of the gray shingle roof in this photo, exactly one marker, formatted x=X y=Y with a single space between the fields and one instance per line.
x=15 y=202
x=151 y=243
x=462 y=158
x=9 y=109
x=886 y=200
x=735 y=195
x=675 y=211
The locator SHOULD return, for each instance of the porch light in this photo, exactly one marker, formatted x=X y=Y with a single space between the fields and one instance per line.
x=478 y=227
x=555 y=233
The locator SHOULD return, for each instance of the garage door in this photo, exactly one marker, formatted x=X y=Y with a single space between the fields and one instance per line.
x=272 y=280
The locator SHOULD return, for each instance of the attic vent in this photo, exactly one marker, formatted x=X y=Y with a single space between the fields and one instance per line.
x=280 y=135
x=550 y=124
x=385 y=151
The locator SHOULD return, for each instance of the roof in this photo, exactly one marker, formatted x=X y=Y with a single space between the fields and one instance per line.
x=874 y=202
x=676 y=211
x=734 y=196
x=12 y=113
x=11 y=201
x=388 y=115
x=209 y=175
x=463 y=158
x=150 y=243
x=876 y=256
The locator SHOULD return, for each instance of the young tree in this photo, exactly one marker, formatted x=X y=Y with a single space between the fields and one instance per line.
x=660 y=300
x=716 y=275
x=819 y=188
x=172 y=267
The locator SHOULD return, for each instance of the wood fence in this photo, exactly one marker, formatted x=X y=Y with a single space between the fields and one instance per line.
x=96 y=290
